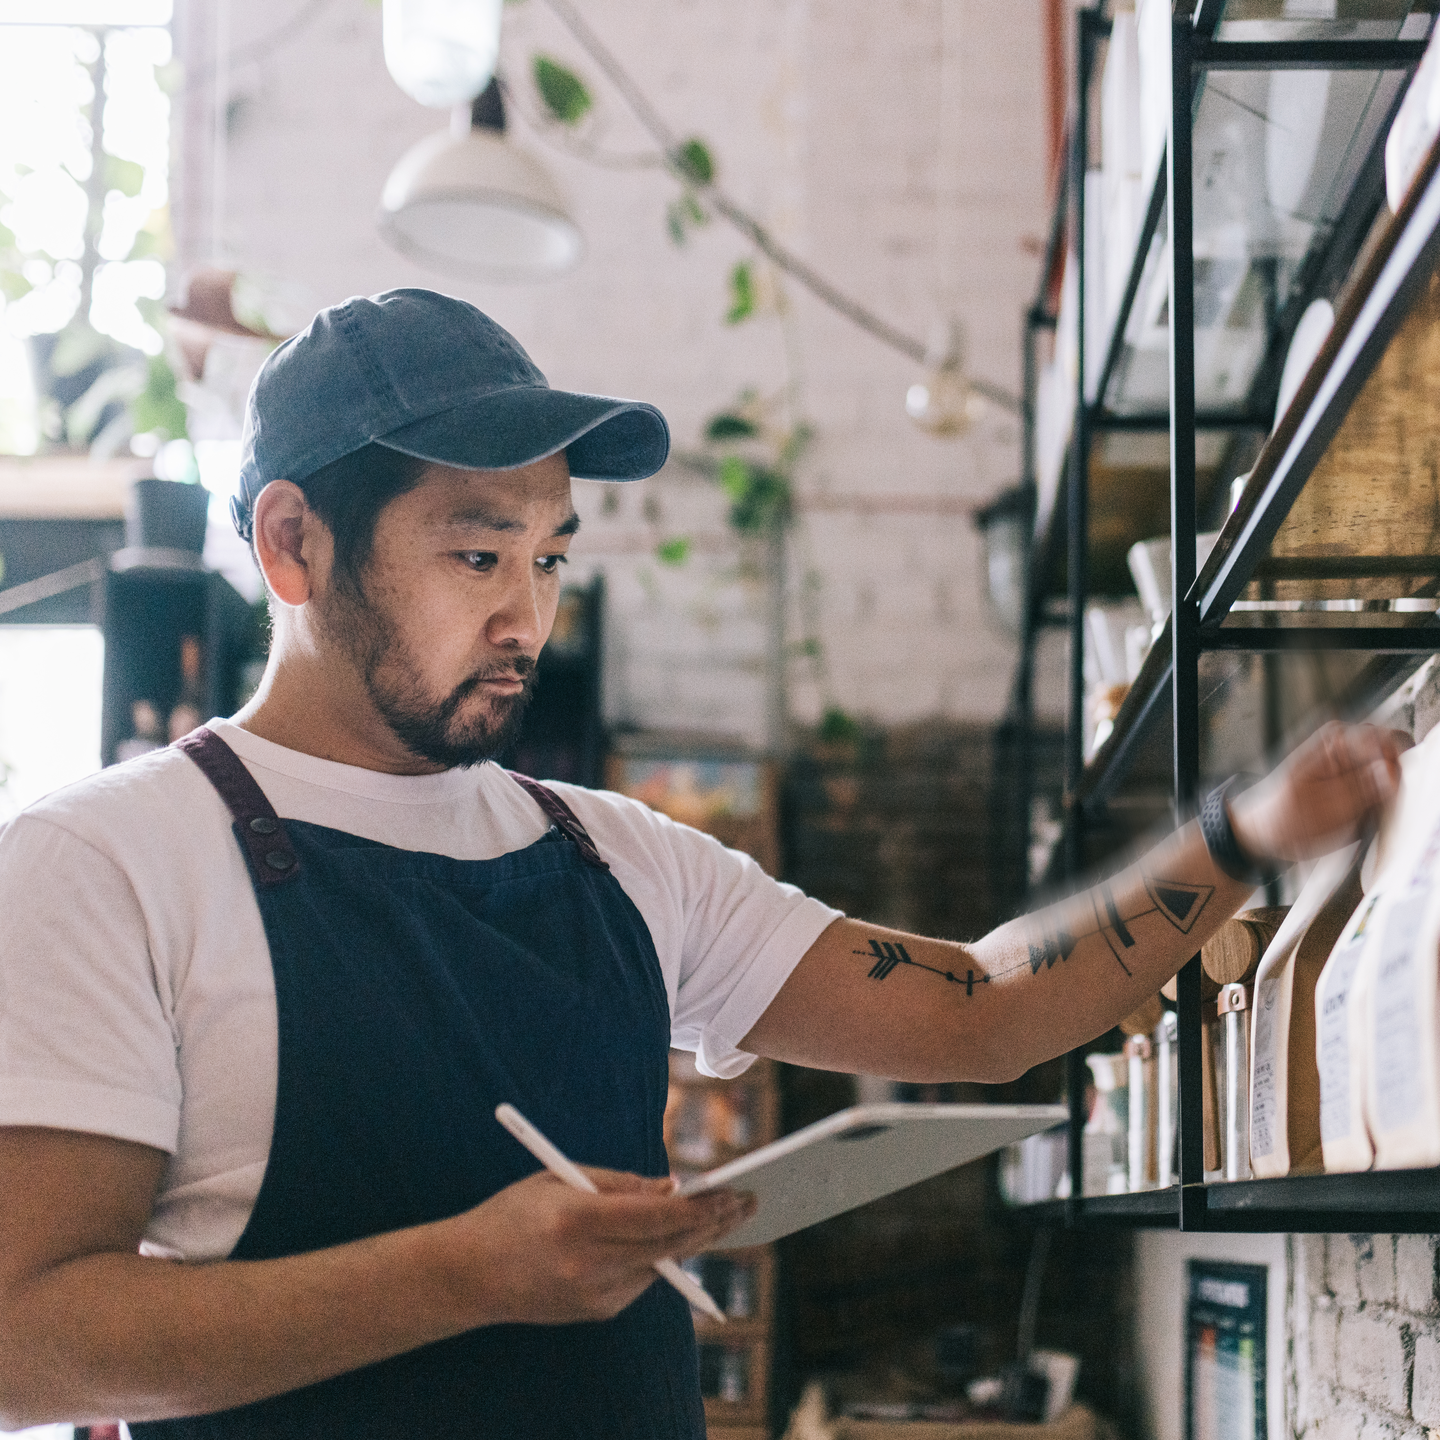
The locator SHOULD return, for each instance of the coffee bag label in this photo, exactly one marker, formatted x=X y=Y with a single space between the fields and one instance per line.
x=1332 y=1025
x=1263 y=1100
x=1397 y=1043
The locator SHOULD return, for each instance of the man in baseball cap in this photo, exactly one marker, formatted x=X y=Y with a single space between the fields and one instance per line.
x=431 y=377
x=261 y=992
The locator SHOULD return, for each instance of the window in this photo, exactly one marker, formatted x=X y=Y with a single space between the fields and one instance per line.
x=84 y=225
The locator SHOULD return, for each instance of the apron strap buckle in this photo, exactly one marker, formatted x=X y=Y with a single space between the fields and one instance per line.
x=259 y=829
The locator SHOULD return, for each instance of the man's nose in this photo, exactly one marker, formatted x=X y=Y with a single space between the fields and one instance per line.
x=517 y=622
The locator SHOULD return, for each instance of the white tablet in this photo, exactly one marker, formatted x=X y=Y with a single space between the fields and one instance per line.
x=859 y=1155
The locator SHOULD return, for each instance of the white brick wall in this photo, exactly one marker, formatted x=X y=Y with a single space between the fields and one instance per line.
x=1365 y=1348
x=1364 y=1313
x=825 y=117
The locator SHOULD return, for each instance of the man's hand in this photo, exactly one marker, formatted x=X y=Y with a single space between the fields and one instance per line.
x=1323 y=794
x=539 y=1252
x=90 y=1329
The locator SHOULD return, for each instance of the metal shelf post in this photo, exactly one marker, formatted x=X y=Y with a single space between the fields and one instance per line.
x=1184 y=615
x=1089 y=25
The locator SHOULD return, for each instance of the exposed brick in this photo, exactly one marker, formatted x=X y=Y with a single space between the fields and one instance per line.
x=1312 y=1398
x=1342 y=1266
x=1415 y=1262
x=1335 y=1427
x=1378 y=1427
x=1307 y=1256
x=1427 y=704
x=1324 y=1348
x=1425 y=1392
x=1375 y=1269
x=1373 y=1361
x=795 y=96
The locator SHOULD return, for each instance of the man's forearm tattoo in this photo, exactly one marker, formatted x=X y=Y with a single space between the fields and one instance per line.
x=1180 y=903
x=889 y=954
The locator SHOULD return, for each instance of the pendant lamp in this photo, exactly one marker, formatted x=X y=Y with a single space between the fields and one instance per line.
x=466 y=202
x=441 y=52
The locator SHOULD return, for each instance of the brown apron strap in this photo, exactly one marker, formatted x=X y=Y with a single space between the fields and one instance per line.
x=565 y=819
x=261 y=830
x=272 y=857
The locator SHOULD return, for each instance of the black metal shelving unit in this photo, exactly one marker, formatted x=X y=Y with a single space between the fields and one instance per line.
x=1395 y=266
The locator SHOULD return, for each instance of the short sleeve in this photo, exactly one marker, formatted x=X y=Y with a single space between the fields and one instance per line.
x=85 y=1043
x=728 y=935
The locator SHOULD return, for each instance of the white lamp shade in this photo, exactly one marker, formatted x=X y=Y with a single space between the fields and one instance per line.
x=472 y=204
x=441 y=52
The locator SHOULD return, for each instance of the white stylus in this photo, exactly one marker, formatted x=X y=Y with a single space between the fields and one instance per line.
x=572 y=1175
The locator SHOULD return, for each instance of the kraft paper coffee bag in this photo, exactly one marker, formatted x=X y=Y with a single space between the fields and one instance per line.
x=1284 y=1078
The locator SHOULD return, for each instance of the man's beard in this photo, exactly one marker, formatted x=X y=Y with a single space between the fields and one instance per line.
x=430 y=729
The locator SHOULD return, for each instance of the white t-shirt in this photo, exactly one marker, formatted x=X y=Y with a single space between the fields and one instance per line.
x=136 y=993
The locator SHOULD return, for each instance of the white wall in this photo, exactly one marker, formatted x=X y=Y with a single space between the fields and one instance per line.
x=826 y=118
x=1161 y=1280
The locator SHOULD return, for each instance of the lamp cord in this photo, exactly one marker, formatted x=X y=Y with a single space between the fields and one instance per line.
x=743 y=221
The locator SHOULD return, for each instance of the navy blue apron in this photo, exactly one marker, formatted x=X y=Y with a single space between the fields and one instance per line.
x=416 y=992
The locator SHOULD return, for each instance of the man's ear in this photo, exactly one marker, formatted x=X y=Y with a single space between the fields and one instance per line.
x=289 y=539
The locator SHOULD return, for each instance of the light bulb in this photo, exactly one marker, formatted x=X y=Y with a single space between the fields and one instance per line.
x=441 y=52
x=943 y=403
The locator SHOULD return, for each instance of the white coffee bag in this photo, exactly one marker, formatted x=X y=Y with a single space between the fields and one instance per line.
x=1284 y=1083
x=1340 y=1043
x=1401 y=1006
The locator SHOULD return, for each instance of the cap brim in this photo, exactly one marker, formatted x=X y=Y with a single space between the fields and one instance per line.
x=604 y=438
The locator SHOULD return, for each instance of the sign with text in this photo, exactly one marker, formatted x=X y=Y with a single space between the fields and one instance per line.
x=1225 y=1352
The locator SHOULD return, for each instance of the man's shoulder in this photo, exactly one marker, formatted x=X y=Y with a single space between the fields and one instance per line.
x=135 y=802
x=644 y=836
x=608 y=807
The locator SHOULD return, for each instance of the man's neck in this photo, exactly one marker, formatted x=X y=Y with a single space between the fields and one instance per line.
x=307 y=711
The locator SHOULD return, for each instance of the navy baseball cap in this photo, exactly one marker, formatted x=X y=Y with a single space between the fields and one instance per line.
x=433 y=377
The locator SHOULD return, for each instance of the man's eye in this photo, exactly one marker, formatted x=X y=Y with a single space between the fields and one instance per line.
x=479 y=559
x=549 y=564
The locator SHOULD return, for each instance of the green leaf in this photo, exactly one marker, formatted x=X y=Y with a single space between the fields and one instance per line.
x=694 y=161
x=837 y=728
x=742 y=294
x=124 y=175
x=158 y=407
x=675 y=551
x=729 y=426
x=675 y=222
x=734 y=477
x=797 y=442
x=759 y=497
x=7 y=237
x=13 y=284
x=562 y=90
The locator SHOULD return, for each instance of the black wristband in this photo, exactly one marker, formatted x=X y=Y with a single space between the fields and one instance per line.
x=1220 y=841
